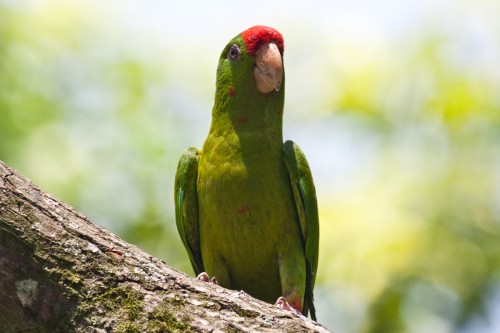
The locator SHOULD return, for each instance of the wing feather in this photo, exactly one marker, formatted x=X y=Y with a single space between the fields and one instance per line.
x=304 y=194
x=186 y=206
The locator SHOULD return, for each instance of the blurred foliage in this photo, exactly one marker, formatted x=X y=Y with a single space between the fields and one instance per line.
x=426 y=221
x=78 y=116
x=410 y=228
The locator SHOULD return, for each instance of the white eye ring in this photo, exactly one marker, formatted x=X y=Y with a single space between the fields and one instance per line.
x=234 y=53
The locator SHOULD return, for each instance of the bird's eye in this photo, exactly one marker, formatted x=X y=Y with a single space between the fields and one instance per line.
x=234 y=53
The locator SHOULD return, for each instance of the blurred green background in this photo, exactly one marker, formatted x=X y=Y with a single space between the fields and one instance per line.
x=395 y=103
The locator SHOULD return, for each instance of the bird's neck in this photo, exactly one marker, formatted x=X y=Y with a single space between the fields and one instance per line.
x=247 y=131
x=257 y=120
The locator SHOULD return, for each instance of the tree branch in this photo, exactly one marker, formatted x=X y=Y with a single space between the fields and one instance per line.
x=61 y=273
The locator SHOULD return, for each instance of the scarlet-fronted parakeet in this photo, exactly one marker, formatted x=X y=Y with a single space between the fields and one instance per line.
x=245 y=204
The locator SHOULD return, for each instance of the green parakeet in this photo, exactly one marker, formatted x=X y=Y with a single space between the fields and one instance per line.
x=245 y=204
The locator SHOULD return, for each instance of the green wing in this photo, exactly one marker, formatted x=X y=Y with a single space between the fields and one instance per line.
x=304 y=194
x=186 y=206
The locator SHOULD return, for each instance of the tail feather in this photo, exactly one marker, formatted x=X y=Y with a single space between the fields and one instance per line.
x=309 y=296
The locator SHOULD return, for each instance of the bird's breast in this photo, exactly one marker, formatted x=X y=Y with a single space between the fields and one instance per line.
x=242 y=186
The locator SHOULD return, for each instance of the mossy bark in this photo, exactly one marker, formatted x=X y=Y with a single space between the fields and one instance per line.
x=61 y=273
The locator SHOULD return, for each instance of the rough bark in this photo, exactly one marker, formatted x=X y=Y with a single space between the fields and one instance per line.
x=61 y=273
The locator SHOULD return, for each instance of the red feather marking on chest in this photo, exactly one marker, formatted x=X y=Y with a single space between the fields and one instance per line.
x=261 y=34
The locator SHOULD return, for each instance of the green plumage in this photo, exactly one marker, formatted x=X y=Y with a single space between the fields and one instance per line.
x=246 y=206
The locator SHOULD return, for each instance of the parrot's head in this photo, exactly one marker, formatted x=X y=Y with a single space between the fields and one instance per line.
x=250 y=74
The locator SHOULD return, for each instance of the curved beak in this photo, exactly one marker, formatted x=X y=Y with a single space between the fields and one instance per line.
x=268 y=68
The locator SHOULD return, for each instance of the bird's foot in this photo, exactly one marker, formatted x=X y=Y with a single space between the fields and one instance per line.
x=203 y=276
x=282 y=303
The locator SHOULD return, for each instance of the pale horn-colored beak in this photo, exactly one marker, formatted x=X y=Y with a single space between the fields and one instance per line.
x=268 y=69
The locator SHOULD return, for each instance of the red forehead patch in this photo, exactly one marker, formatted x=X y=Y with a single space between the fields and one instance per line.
x=261 y=34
